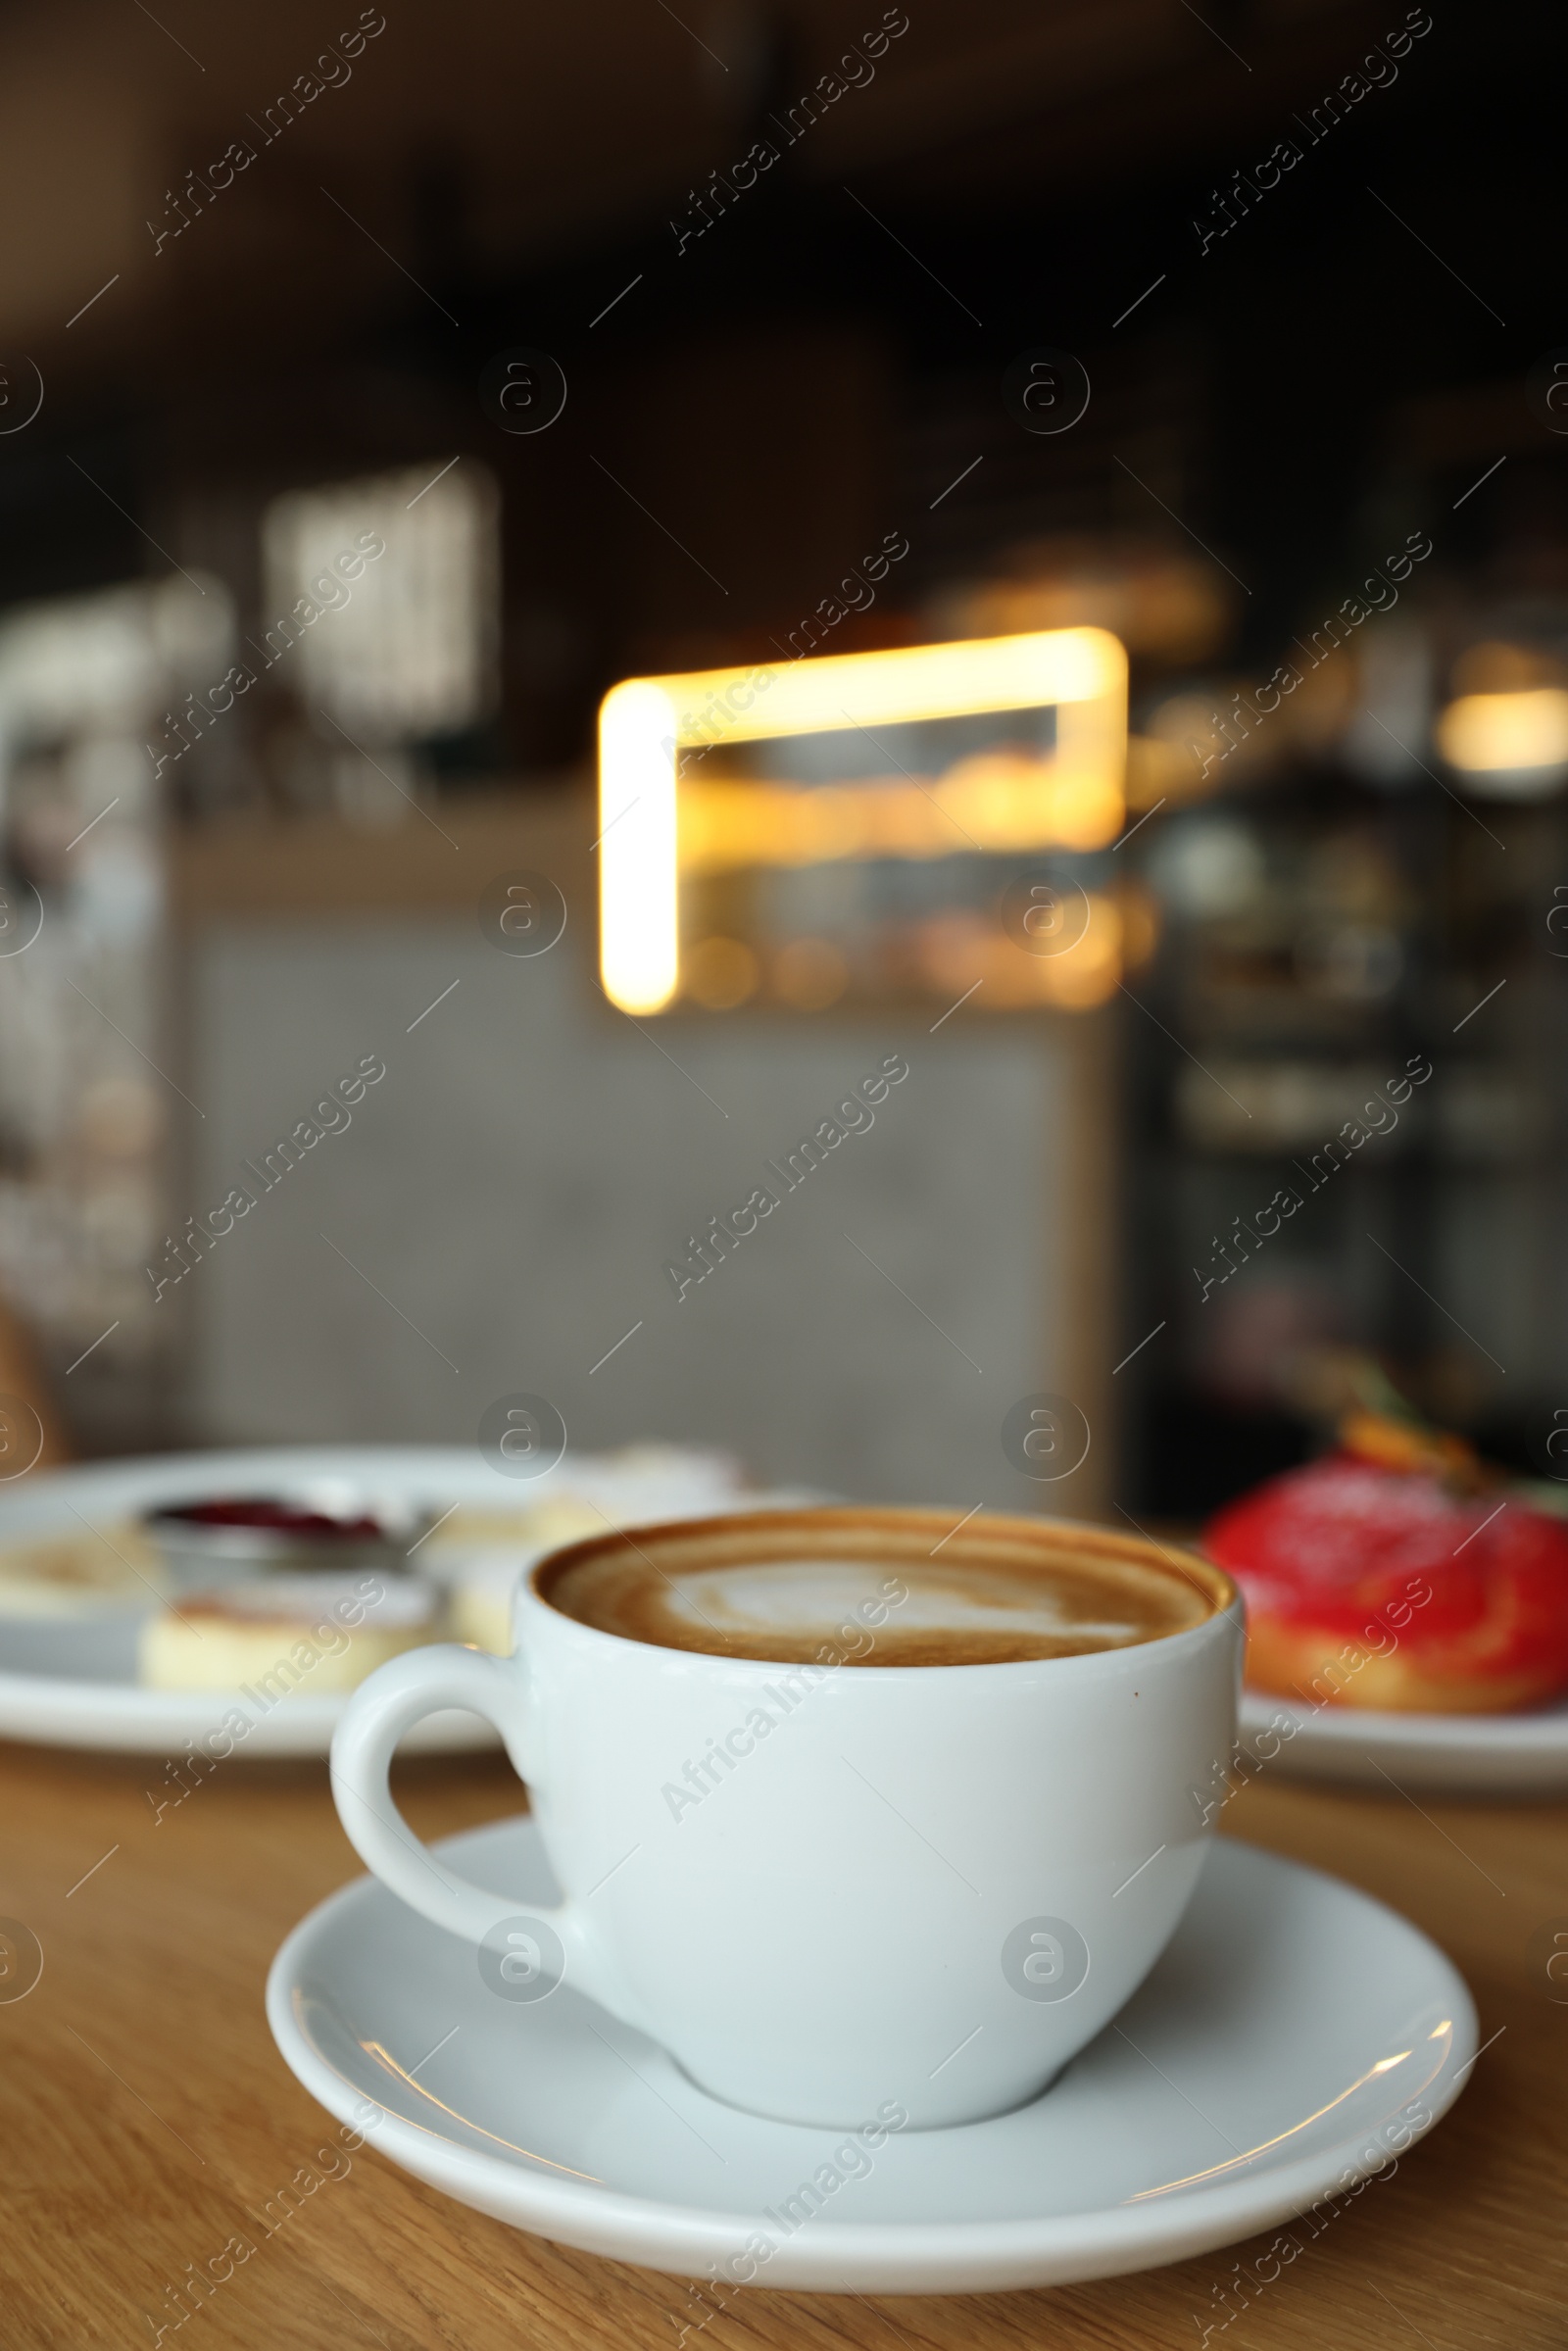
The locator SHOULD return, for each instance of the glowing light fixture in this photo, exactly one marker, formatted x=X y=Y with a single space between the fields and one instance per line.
x=1512 y=743
x=664 y=814
x=639 y=940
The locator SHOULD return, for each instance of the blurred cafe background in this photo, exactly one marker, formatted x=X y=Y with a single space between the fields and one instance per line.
x=377 y=401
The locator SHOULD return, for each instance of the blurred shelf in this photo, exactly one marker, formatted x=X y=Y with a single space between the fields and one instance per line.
x=438 y=859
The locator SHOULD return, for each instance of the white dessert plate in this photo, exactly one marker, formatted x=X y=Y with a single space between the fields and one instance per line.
x=70 y=1680
x=1453 y=1754
x=1295 y=2037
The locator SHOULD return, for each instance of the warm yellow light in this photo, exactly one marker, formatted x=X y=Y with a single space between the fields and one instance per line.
x=998 y=803
x=1517 y=734
x=895 y=688
x=811 y=974
x=639 y=947
x=667 y=809
x=962 y=951
x=720 y=973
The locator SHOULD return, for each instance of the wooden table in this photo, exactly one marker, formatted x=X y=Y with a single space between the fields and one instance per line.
x=145 y=2114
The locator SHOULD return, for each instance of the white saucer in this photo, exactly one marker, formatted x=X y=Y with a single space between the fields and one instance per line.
x=1458 y=1754
x=1264 y=2064
x=71 y=1681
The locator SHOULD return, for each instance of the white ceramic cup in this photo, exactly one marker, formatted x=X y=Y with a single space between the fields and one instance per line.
x=931 y=1884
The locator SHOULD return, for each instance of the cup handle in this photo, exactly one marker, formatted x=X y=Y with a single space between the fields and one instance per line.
x=386 y=1704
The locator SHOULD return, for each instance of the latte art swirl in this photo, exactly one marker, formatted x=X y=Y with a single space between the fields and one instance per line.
x=753 y=1591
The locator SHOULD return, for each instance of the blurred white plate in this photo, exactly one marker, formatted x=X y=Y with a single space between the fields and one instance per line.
x=1454 y=1754
x=71 y=1681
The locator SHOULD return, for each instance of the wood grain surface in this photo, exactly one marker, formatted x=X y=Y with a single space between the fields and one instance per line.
x=145 y=2116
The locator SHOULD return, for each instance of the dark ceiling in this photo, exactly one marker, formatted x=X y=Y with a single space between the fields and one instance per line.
x=1286 y=370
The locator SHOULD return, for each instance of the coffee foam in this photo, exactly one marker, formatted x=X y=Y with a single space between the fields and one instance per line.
x=873 y=1605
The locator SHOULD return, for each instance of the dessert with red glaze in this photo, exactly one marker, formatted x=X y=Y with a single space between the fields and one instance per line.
x=1394 y=1574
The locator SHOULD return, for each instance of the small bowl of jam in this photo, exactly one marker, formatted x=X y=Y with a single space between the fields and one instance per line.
x=326 y=1527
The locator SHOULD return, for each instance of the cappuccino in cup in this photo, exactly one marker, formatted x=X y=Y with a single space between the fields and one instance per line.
x=846 y=1805
x=998 y=1601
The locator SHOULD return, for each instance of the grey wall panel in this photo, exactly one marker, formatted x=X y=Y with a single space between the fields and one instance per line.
x=514 y=1184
